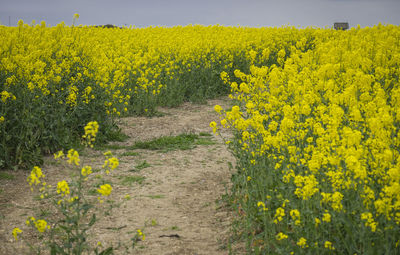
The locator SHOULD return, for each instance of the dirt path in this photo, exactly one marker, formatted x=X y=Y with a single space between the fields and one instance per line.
x=173 y=194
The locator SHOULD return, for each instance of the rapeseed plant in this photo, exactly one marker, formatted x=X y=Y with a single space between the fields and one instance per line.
x=319 y=129
x=15 y=233
x=75 y=211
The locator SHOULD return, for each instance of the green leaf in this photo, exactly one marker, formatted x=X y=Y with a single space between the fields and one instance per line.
x=86 y=208
x=92 y=220
x=107 y=251
x=56 y=249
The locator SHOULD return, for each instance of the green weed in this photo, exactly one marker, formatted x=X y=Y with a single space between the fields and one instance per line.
x=130 y=180
x=171 y=143
x=104 y=147
x=156 y=196
x=174 y=228
x=6 y=176
x=142 y=165
x=129 y=154
x=205 y=134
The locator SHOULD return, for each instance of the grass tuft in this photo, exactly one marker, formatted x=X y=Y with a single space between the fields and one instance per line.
x=142 y=165
x=156 y=196
x=205 y=134
x=129 y=154
x=130 y=180
x=6 y=176
x=171 y=143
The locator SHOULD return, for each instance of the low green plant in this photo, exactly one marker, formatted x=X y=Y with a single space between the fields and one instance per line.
x=105 y=147
x=6 y=176
x=156 y=196
x=129 y=154
x=205 y=134
x=154 y=222
x=130 y=180
x=142 y=165
x=171 y=143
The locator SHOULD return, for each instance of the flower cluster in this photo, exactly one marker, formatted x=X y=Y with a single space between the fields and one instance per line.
x=104 y=190
x=91 y=130
x=63 y=188
x=73 y=157
x=110 y=163
x=35 y=176
x=40 y=225
x=141 y=235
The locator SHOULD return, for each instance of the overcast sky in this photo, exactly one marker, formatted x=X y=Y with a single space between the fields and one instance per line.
x=255 y=13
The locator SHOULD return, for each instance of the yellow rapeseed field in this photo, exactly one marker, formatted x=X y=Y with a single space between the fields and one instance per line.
x=316 y=122
x=54 y=80
x=316 y=138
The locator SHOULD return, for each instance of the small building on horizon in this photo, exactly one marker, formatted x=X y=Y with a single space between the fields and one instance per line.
x=341 y=25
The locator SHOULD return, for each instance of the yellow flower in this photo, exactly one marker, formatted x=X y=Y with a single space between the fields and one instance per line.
x=262 y=205
x=111 y=163
x=73 y=157
x=91 y=130
x=72 y=199
x=302 y=242
x=59 y=154
x=63 y=188
x=1 y=119
x=281 y=236
x=295 y=214
x=34 y=177
x=71 y=98
x=6 y=95
x=218 y=108
x=15 y=233
x=107 y=154
x=41 y=225
x=279 y=214
x=329 y=245
x=317 y=222
x=29 y=220
x=105 y=190
x=140 y=234
x=369 y=221
x=326 y=217
x=213 y=125
x=306 y=186
x=86 y=170
x=224 y=123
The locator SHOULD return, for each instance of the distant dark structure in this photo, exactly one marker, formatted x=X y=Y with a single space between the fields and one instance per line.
x=108 y=26
x=341 y=25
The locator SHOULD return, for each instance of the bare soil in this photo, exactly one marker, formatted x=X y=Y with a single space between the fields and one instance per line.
x=175 y=195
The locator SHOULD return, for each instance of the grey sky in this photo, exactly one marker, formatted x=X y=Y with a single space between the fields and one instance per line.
x=253 y=13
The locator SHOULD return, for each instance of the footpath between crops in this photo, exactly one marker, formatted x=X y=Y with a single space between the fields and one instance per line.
x=174 y=188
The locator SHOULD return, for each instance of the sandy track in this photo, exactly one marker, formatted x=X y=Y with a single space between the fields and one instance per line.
x=175 y=201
